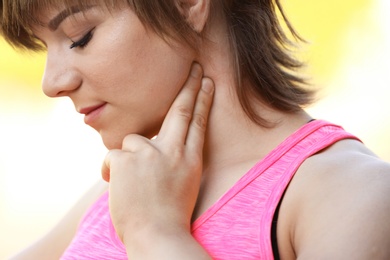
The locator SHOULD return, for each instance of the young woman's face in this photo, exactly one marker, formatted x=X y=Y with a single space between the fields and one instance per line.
x=115 y=70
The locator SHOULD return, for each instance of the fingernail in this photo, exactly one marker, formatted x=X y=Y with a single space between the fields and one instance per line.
x=207 y=85
x=196 y=70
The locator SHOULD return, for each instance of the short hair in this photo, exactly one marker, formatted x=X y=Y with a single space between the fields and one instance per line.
x=265 y=69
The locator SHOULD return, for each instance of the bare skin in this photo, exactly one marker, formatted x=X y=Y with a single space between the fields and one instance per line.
x=335 y=208
x=344 y=210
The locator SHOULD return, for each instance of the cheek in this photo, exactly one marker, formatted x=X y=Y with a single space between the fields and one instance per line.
x=134 y=60
x=149 y=70
x=140 y=76
x=143 y=63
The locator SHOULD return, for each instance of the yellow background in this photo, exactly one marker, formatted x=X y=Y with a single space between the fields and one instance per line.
x=48 y=157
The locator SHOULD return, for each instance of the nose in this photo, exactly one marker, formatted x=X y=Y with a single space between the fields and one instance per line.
x=60 y=76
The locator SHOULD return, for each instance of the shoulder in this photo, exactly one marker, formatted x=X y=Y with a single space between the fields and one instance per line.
x=347 y=166
x=348 y=162
x=340 y=204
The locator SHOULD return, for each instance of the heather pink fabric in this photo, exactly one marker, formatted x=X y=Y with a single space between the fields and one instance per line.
x=238 y=225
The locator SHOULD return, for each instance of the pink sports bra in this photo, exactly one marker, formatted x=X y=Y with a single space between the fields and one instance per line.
x=238 y=225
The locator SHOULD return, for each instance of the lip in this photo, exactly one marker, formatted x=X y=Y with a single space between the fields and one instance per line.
x=92 y=113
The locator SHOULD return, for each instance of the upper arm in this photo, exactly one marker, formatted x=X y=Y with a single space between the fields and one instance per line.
x=53 y=244
x=345 y=213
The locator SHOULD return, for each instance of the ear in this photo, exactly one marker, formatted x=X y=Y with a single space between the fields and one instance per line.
x=196 y=11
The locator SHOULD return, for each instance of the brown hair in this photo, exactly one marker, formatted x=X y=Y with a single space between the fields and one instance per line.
x=261 y=49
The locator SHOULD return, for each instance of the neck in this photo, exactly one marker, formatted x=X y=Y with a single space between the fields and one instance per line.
x=231 y=136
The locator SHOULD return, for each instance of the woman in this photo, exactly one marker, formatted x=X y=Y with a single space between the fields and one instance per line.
x=261 y=180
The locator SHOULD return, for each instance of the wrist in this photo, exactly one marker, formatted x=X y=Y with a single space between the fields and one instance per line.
x=145 y=232
x=160 y=241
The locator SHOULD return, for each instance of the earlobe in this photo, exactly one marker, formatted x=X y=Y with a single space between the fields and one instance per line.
x=196 y=12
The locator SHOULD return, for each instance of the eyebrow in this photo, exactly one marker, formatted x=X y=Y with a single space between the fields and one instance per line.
x=59 y=18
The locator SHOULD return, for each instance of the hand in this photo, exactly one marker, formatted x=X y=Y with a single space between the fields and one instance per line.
x=155 y=183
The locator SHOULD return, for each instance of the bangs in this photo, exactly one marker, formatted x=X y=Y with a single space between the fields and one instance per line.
x=17 y=17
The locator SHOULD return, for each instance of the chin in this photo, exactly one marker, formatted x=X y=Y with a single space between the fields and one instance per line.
x=114 y=139
x=111 y=141
x=110 y=145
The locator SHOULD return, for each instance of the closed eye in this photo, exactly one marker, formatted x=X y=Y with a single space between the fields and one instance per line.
x=82 y=43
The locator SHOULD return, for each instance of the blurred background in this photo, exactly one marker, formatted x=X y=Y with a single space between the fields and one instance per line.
x=48 y=157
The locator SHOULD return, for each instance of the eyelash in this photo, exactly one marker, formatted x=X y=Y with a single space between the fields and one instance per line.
x=82 y=43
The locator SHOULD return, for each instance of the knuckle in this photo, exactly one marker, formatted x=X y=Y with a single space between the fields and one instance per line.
x=178 y=153
x=133 y=142
x=200 y=122
x=112 y=155
x=150 y=153
x=131 y=138
x=118 y=157
x=194 y=163
x=184 y=112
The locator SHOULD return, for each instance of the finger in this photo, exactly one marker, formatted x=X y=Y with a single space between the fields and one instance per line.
x=107 y=165
x=197 y=128
x=176 y=123
x=134 y=143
